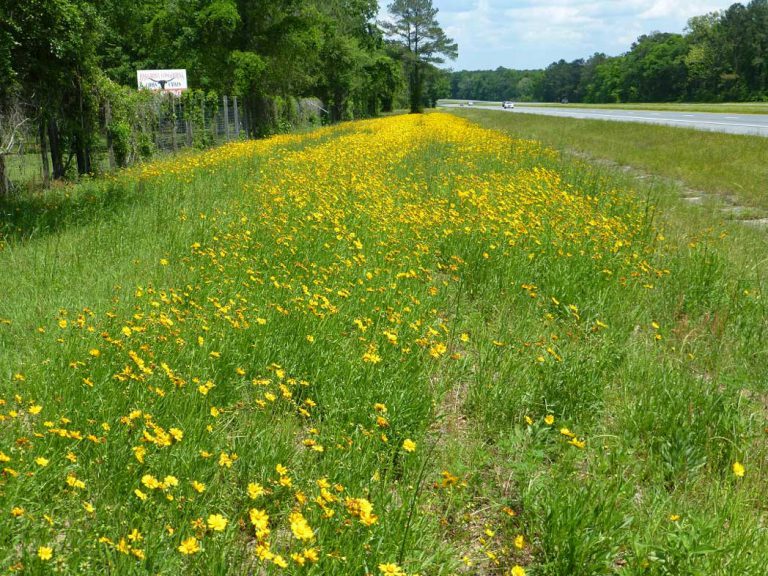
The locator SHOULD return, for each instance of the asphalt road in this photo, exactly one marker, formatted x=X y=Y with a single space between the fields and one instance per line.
x=750 y=124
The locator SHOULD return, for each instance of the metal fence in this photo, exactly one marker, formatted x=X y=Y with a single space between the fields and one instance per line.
x=163 y=125
x=209 y=125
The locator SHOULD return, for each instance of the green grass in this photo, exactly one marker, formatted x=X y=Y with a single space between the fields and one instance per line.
x=412 y=278
x=725 y=165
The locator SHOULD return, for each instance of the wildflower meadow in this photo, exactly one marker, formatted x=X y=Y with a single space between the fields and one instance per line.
x=399 y=346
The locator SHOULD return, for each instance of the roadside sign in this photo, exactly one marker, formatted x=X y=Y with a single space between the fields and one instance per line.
x=174 y=81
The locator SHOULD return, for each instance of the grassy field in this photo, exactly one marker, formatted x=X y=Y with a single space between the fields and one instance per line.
x=723 y=108
x=400 y=346
x=730 y=166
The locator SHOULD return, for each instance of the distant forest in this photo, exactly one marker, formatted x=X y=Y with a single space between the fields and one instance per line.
x=722 y=56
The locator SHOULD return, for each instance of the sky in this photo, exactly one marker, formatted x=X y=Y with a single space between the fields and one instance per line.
x=532 y=34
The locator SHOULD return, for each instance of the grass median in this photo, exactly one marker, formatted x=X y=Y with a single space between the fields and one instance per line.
x=393 y=347
x=733 y=167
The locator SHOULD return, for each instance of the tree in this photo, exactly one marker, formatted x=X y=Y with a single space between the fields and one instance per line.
x=415 y=28
x=53 y=54
x=561 y=81
x=656 y=68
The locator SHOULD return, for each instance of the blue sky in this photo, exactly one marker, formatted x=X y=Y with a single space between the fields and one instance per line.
x=532 y=34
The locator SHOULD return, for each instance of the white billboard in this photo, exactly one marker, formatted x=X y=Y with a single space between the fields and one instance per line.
x=174 y=81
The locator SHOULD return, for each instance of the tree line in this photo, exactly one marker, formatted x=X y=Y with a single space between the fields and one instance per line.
x=62 y=60
x=722 y=56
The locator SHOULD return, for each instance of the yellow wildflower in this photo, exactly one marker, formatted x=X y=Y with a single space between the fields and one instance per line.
x=189 y=546
x=255 y=490
x=217 y=522
x=300 y=528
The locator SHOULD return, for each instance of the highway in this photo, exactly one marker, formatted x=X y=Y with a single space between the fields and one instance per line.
x=749 y=124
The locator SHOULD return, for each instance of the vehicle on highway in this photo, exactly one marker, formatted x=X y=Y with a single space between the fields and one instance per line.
x=508 y=105
x=470 y=103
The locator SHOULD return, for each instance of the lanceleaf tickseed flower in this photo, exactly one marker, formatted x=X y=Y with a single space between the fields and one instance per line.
x=391 y=570
x=371 y=356
x=738 y=469
x=255 y=490
x=576 y=442
x=226 y=460
x=362 y=509
x=189 y=546
x=300 y=528
x=260 y=521
x=150 y=481
x=409 y=445
x=217 y=522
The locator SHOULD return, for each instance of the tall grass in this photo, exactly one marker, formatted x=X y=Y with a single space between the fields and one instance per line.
x=407 y=345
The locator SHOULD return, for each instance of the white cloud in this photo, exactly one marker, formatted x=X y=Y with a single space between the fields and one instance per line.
x=531 y=34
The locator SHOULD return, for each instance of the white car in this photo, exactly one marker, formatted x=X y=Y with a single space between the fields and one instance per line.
x=508 y=105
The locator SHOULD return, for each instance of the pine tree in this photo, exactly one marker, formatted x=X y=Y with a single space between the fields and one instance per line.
x=414 y=26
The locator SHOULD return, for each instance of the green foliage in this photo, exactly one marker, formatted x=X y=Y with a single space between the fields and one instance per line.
x=495 y=85
x=722 y=57
x=248 y=71
x=120 y=133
